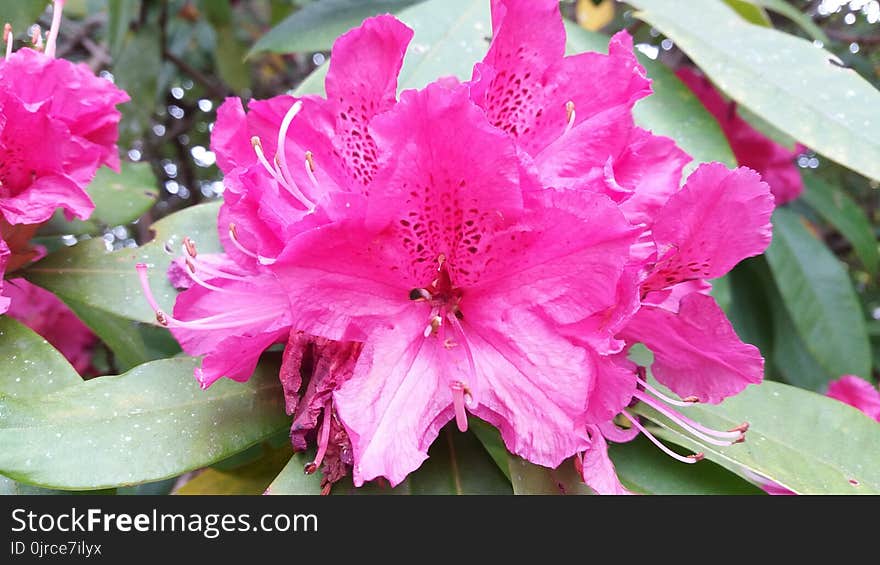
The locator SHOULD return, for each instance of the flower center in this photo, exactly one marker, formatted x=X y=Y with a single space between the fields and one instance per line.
x=444 y=298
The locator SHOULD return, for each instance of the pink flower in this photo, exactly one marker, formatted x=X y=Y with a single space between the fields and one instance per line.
x=277 y=169
x=858 y=393
x=455 y=277
x=59 y=125
x=44 y=313
x=752 y=148
x=573 y=114
x=35 y=180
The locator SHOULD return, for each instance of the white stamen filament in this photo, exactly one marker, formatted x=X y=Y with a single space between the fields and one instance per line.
x=310 y=169
x=663 y=397
x=8 y=38
x=229 y=319
x=684 y=459
x=234 y=237
x=57 y=8
x=685 y=423
x=275 y=172
x=569 y=116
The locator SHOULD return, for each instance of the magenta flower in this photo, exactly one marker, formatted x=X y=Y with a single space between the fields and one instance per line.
x=455 y=277
x=858 y=393
x=44 y=313
x=717 y=219
x=573 y=114
x=59 y=125
x=277 y=169
x=753 y=149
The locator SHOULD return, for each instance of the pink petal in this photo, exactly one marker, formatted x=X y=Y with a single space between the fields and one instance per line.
x=612 y=389
x=858 y=393
x=598 y=469
x=257 y=313
x=566 y=256
x=396 y=402
x=531 y=383
x=38 y=202
x=718 y=219
x=361 y=83
x=71 y=93
x=696 y=351
x=231 y=137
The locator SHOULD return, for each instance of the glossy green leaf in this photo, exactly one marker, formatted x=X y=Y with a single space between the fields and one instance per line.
x=804 y=441
x=644 y=469
x=786 y=80
x=30 y=367
x=252 y=478
x=107 y=281
x=120 y=198
x=132 y=343
x=838 y=209
x=316 y=26
x=292 y=479
x=136 y=69
x=819 y=297
x=672 y=110
x=450 y=36
x=151 y=423
x=640 y=466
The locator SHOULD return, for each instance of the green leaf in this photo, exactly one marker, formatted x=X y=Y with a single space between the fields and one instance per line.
x=87 y=274
x=120 y=14
x=132 y=343
x=643 y=468
x=21 y=14
x=316 y=26
x=819 y=297
x=229 y=58
x=672 y=110
x=30 y=367
x=120 y=198
x=450 y=36
x=750 y=12
x=151 y=423
x=136 y=70
x=783 y=79
x=456 y=464
x=750 y=310
x=806 y=442
x=252 y=478
x=783 y=8
x=838 y=209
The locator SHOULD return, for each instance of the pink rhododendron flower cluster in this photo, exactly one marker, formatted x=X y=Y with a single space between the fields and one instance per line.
x=774 y=161
x=59 y=124
x=489 y=248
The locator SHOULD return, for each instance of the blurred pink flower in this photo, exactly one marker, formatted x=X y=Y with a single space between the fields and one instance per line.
x=858 y=393
x=59 y=124
x=44 y=313
x=753 y=149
